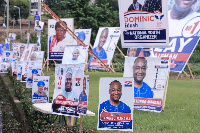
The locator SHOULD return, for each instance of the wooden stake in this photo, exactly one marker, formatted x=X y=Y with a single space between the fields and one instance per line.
x=111 y=64
x=191 y=75
x=70 y=121
x=179 y=76
x=186 y=73
x=165 y=93
x=116 y=131
x=119 y=50
x=81 y=123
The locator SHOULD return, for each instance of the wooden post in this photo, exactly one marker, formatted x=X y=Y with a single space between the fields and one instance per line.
x=186 y=73
x=47 y=65
x=112 y=67
x=165 y=94
x=119 y=50
x=81 y=123
x=179 y=76
x=70 y=121
x=191 y=75
x=116 y=131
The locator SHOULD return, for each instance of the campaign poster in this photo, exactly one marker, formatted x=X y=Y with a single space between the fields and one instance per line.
x=38 y=26
x=37 y=56
x=65 y=97
x=12 y=36
x=4 y=47
x=115 y=104
x=104 y=46
x=143 y=26
x=84 y=95
x=26 y=55
x=40 y=90
x=4 y=67
x=24 y=71
x=34 y=69
x=18 y=49
x=7 y=57
x=58 y=38
x=184 y=34
x=34 y=47
x=150 y=81
x=14 y=68
x=84 y=35
x=19 y=70
x=75 y=54
x=36 y=16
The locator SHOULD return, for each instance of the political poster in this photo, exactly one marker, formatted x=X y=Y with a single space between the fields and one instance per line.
x=4 y=67
x=7 y=57
x=4 y=47
x=14 y=68
x=115 y=104
x=84 y=35
x=18 y=49
x=75 y=54
x=143 y=26
x=34 y=47
x=37 y=56
x=184 y=34
x=84 y=95
x=65 y=97
x=40 y=90
x=104 y=46
x=34 y=69
x=39 y=26
x=58 y=38
x=36 y=16
x=19 y=70
x=150 y=80
x=24 y=71
x=12 y=36
x=26 y=55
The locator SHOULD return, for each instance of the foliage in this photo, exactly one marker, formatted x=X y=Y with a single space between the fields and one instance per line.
x=195 y=58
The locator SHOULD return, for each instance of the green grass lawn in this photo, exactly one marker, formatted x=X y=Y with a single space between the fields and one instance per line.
x=181 y=112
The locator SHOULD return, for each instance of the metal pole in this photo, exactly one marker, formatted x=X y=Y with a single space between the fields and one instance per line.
x=7 y=17
x=20 y=24
x=29 y=24
x=40 y=13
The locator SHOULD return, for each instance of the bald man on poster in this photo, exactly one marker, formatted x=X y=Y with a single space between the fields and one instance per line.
x=141 y=89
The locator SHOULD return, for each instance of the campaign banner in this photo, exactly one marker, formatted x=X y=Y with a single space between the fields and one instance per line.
x=84 y=35
x=58 y=38
x=4 y=47
x=19 y=70
x=40 y=90
x=143 y=25
x=18 y=49
x=75 y=54
x=150 y=81
x=184 y=34
x=68 y=85
x=104 y=46
x=34 y=69
x=84 y=95
x=115 y=109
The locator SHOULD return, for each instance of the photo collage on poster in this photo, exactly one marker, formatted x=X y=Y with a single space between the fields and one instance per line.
x=68 y=86
x=150 y=78
x=104 y=46
x=115 y=104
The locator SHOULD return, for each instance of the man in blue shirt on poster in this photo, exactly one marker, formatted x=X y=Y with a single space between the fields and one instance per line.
x=99 y=50
x=83 y=96
x=113 y=104
x=141 y=89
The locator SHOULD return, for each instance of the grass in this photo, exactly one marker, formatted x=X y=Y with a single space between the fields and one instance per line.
x=181 y=112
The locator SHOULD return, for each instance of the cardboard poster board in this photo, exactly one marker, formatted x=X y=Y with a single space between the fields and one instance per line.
x=75 y=54
x=115 y=104
x=40 y=90
x=58 y=40
x=184 y=35
x=34 y=69
x=84 y=95
x=104 y=46
x=144 y=25
x=150 y=79
x=65 y=97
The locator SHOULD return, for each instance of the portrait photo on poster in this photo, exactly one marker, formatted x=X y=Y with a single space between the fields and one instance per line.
x=115 y=104
x=58 y=38
x=84 y=35
x=104 y=46
x=150 y=78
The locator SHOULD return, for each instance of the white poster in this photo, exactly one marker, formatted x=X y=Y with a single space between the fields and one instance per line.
x=150 y=78
x=75 y=54
x=18 y=49
x=104 y=46
x=143 y=25
x=19 y=70
x=34 y=69
x=65 y=97
x=14 y=68
x=115 y=104
x=84 y=35
x=37 y=56
x=58 y=38
x=24 y=71
x=84 y=95
x=39 y=26
x=40 y=90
